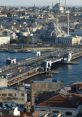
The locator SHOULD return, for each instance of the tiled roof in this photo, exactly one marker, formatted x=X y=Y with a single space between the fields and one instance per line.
x=69 y=101
x=27 y=114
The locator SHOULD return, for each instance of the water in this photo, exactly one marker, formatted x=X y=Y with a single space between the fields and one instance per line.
x=67 y=73
x=18 y=56
x=70 y=73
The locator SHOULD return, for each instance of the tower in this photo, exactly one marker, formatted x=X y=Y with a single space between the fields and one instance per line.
x=68 y=12
x=65 y=6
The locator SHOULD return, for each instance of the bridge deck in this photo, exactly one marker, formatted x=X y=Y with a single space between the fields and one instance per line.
x=26 y=62
x=23 y=77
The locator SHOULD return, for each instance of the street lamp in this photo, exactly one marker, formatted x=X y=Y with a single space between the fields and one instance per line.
x=68 y=20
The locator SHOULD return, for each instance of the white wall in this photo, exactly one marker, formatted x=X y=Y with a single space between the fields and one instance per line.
x=4 y=40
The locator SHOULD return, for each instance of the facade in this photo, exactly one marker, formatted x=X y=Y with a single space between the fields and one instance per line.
x=44 y=86
x=4 y=40
x=66 y=105
x=13 y=35
x=58 y=8
x=26 y=33
x=3 y=82
x=12 y=95
x=68 y=102
x=68 y=40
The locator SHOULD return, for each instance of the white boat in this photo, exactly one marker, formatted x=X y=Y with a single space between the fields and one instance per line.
x=11 y=61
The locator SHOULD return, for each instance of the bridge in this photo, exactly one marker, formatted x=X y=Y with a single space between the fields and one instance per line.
x=28 y=61
x=50 y=58
x=47 y=64
x=37 y=59
x=76 y=55
x=24 y=76
x=28 y=74
x=65 y=59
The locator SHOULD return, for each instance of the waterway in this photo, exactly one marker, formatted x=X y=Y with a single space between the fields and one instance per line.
x=19 y=56
x=70 y=73
x=67 y=73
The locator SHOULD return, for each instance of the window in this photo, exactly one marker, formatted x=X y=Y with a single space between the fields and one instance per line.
x=4 y=94
x=10 y=94
x=15 y=94
x=55 y=111
x=22 y=94
x=68 y=113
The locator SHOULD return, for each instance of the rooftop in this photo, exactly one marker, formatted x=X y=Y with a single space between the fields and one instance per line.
x=68 y=101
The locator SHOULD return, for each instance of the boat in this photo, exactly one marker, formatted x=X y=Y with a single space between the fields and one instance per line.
x=10 y=61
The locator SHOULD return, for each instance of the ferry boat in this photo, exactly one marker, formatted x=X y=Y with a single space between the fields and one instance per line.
x=10 y=61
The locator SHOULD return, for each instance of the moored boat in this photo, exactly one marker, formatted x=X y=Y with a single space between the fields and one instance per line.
x=11 y=61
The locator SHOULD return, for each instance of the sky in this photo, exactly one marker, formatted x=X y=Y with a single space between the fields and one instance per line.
x=39 y=2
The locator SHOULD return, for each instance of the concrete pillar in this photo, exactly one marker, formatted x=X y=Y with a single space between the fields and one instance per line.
x=38 y=53
x=48 y=65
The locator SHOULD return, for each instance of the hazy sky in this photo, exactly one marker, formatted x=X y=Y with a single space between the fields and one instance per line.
x=38 y=2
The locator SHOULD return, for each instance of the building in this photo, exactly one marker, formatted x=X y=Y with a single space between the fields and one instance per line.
x=69 y=105
x=44 y=86
x=68 y=40
x=68 y=102
x=26 y=33
x=4 y=40
x=13 y=35
x=3 y=82
x=13 y=95
x=76 y=87
x=58 y=8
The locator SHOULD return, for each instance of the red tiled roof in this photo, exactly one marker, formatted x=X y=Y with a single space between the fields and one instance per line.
x=55 y=99
x=70 y=100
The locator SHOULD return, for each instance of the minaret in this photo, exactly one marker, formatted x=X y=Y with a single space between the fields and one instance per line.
x=68 y=23
x=59 y=1
x=52 y=5
x=68 y=12
x=65 y=6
